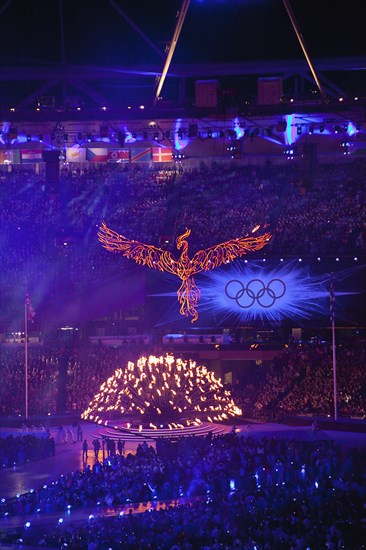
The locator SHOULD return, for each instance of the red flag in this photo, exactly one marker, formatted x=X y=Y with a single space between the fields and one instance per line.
x=162 y=154
x=30 y=311
x=118 y=155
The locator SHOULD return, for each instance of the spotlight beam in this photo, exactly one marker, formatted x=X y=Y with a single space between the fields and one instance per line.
x=300 y=38
x=161 y=79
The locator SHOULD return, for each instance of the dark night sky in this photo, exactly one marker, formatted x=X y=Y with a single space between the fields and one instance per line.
x=214 y=30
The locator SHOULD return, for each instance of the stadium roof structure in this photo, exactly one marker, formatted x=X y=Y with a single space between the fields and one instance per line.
x=85 y=55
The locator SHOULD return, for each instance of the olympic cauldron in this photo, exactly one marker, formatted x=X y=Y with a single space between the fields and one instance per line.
x=162 y=392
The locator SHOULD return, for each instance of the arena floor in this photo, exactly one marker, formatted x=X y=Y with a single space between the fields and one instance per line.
x=69 y=455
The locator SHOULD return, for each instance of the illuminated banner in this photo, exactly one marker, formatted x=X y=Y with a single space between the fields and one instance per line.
x=31 y=155
x=10 y=157
x=118 y=155
x=97 y=155
x=75 y=154
x=162 y=154
x=141 y=155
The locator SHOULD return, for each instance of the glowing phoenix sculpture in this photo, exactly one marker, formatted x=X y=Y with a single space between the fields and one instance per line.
x=185 y=267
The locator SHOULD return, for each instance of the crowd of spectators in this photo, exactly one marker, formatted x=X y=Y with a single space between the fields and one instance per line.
x=329 y=219
x=50 y=239
x=20 y=449
x=42 y=380
x=49 y=242
x=313 y=392
x=99 y=362
x=232 y=492
x=299 y=380
x=87 y=368
x=220 y=204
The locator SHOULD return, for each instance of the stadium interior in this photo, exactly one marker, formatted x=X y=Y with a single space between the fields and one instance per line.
x=183 y=266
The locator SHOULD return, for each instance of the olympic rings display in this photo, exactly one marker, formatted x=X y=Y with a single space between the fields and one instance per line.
x=255 y=291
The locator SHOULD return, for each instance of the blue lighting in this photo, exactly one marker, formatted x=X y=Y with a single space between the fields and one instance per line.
x=237 y=129
x=295 y=121
x=257 y=480
x=273 y=140
x=179 y=143
x=291 y=132
x=20 y=139
x=351 y=129
x=257 y=291
x=264 y=291
x=129 y=138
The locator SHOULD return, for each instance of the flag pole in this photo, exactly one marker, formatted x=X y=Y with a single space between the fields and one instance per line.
x=334 y=372
x=334 y=360
x=26 y=356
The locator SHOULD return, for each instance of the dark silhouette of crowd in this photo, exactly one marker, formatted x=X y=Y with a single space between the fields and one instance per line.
x=229 y=492
x=17 y=450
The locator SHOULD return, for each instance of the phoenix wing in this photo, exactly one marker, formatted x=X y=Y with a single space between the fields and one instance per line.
x=143 y=254
x=228 y=251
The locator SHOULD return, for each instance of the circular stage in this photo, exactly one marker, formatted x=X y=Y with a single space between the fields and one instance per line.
x=119 y=431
